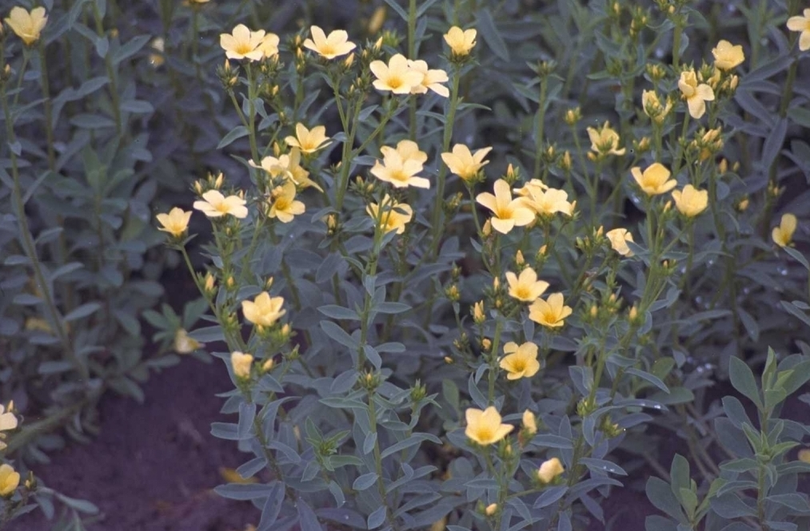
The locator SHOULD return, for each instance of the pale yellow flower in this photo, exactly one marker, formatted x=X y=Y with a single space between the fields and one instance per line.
x=696 y=94
x=460 y=41
x=551 y=312
x=802 y=24
x=431 y=79
x=605 y=140
x=728 y=56
x=288 y=166
x=653 y=107
x=484 y=427
x=655 y=179
x=241 y=363
x=157 y=59
x=8 y=421
x=308 y=140
x=507 y=213
x=394 y=216
x=525 y=287
x=691 y=201
x=529 y=422
x=242 y=43
x=465 y=164
x=618 y=240
x=396 y=76
x=804 y=455
x=401 y=164
x=27 y=25
x=520 y=361
x=216 y=205
x=284 y=206
x=175 y=222
x=269 y=45
x=335 y=45
x=549 y=470
x=264 y=310
x=183 y=343
x=543 y=200
x=783 y=234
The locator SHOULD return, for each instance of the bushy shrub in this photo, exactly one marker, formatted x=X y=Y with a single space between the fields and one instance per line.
x=477 y=265
x=398 y=327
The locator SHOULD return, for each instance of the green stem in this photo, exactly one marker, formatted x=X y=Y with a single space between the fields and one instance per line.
x=46 y=93
x=437 y=225
x=541 y=122
x=29 y=246
x=412 y=56
x=111 y=74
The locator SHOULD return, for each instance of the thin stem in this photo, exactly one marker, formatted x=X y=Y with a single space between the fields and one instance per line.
x=437 y=225
x=541 y=122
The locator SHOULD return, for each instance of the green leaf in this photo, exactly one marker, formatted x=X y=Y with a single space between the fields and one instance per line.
x=237 y=132
x=793 y=309
x=83 y=311
x=660 y=495
x=491 y=35
x=246 y=491
x=689 y=502
x=338 y=334
x=649 y=378
x=743 y=380
x=365 y=481
x=790 y=381
x=130 y=48
x=338 y=312
x=396 y=7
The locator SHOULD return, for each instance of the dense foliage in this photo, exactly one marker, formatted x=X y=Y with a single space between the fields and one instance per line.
x=470 y=264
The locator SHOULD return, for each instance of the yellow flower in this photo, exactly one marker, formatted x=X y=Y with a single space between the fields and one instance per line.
x=605 y=141
x=284 y=206
x=8 y=421
x=465 y=164
x=799 y=23
x=289 y=167
x=783 y=234
x=529 y=422
x=264 y=310
x=804 y=455
x=618 y=240
x=242 y=364
x=691 y=201
x=696 y=95
x=484 y=427
x=491 y=509
x=506 y=212
x=394 y=216
x=550 y=312
x=175 y=222
x=653 y=107
x=549 y=470
x=27 y=26
x=335 y=45
x=308 y=140
x=400 y=166
x=543 y=200
x=396 y=77
x=183 y=344
x=269 y=45
x=460 y=41
x=216 y=205
x=9 y=480
x=478 y=313
x=431 y=79
x=526 y=287
x=520 y=361
x=655 y=179
x=242 y=43
x=157 y=59
x=728 y=56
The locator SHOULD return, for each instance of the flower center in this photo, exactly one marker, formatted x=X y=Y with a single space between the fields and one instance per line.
x=522 y=292
x=484 y=434
x=395 y=82
x=243 y=48
x=519 y=365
